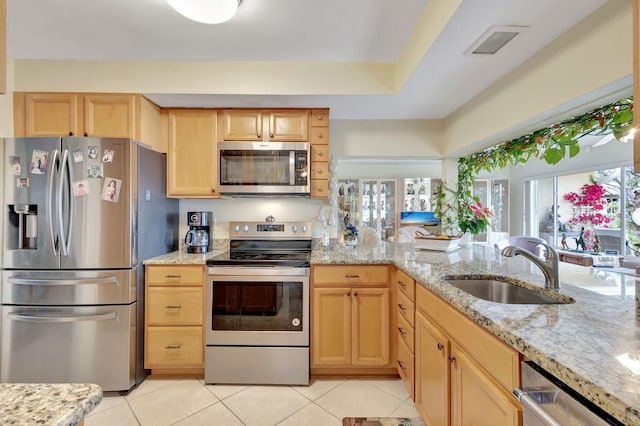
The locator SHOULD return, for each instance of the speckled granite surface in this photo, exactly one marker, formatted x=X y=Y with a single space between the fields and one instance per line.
x=593 y=345
x=47 y=404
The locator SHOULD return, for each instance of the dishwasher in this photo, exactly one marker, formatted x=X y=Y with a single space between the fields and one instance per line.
x=546 y=401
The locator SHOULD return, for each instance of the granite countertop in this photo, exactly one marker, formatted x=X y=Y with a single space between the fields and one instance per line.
x=592 y=345
x=47 y=404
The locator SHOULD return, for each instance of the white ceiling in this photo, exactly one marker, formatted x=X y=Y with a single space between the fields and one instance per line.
x=299 y=30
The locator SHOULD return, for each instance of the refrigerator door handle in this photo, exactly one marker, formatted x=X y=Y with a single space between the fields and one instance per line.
x=65 y=228
x=30 y=281
x=44 y=318
x=49 y=202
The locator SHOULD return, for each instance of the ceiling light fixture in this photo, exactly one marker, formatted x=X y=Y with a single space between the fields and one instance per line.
x=206 y=11
x=494 y=39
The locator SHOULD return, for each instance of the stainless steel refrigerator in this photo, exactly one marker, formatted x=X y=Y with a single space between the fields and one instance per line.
x=79 y=216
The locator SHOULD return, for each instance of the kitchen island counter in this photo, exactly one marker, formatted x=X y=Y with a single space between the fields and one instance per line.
x=592 y=345
x=47 y=404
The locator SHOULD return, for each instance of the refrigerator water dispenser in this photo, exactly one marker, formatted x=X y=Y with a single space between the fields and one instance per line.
x=22 y=226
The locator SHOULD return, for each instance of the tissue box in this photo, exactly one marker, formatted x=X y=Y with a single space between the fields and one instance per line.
x=438 y=243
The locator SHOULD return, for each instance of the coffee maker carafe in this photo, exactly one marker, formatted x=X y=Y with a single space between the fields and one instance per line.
x=197 y=239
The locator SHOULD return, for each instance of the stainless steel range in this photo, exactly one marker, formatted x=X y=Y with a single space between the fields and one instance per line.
x=257 y=325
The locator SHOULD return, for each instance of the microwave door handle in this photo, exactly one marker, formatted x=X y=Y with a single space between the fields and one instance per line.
x=55 y=167
x=292 y=167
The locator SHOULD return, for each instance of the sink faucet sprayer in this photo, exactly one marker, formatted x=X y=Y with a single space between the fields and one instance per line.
x=549 y=265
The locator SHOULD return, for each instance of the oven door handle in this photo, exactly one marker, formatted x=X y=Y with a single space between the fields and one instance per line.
x=228 y=273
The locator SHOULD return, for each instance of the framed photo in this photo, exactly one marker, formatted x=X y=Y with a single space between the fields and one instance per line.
x=15 y=165
x=95 y=170
x=38 y=162
x=80 y=188
x=111 y=189
x=92 y=152
x=107 y=156
x=78 y=156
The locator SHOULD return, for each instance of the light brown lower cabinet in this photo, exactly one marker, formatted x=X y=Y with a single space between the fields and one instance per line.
x=174 y=319
x=351 y=320
x=463 y=374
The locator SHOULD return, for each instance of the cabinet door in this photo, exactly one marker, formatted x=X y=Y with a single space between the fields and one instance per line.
x=191 y=157
x=289 y=126
x=476 y=398
x=241 y=125
x=432 y=372
x=370 y=325
x=47 y=114
x=110 y=116
x=331 y=326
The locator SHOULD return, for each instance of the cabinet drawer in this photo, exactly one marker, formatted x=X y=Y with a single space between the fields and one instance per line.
x=405 y=331
x=175 y=306
x=319 y=135
x=319 y=153
x=174 y=347
x=405 y=307
x=320 y=170
x=406 y=366
x=319 y=117
x=319 y=188
x=351 y=275
x=499 y=360
x=406 y=284
x=175 y=275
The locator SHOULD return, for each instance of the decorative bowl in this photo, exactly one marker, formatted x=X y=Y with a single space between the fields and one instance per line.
x=438 y=243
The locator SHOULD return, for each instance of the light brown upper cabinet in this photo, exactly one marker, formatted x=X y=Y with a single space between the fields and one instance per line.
x=88 y=114
x=192 y=155
x=277 y=125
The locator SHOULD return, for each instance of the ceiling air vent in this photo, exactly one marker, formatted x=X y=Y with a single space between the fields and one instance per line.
x=494 y=39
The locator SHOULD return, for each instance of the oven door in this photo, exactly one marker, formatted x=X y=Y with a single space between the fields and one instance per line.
x=253 y=306
x=263 y=168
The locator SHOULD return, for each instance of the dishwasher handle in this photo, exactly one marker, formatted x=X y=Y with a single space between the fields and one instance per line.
x=533 y=401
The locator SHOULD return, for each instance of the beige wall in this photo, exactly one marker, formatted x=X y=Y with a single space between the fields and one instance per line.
x=386 y=138
x=594 y=58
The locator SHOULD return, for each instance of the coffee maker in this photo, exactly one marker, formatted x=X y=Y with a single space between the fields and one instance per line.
x=197 y=239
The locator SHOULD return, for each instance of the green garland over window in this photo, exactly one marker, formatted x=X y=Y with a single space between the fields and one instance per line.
x=550 y=144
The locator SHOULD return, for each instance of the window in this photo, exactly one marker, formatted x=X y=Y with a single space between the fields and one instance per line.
x=601 y=207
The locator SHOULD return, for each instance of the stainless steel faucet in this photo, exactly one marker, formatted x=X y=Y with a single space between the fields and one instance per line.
x=549 y=265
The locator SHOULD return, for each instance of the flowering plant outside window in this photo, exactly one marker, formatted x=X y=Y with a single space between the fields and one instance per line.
x=589 y=206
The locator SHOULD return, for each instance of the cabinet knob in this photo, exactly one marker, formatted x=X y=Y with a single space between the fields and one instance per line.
x=270 y=135
x=213 y=190
x=351 y=276
x=173 y=306
x=401 y=331
x=172 y=346
x=70 y=133
x=172 y=276
x=452 y=358
x=320 y=117
x=86 y=134
x=320 y=136
x=355 y=294
x=401 y=306
x=348 y=293
x=259 y=135
x=401 y=284
x=401 y=365
x=440 y=346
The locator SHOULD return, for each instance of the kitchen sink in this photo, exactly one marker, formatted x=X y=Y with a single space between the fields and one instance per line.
x=499 y=291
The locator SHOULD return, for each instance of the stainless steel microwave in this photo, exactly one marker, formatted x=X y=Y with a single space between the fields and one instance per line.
x=263 y=168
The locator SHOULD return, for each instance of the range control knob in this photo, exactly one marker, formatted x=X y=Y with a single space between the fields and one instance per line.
x=236 y=229
x=245 y=228
x=304 y=228
x=294 y=228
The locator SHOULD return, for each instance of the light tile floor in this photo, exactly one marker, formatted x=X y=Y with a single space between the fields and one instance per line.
x=190 y=402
